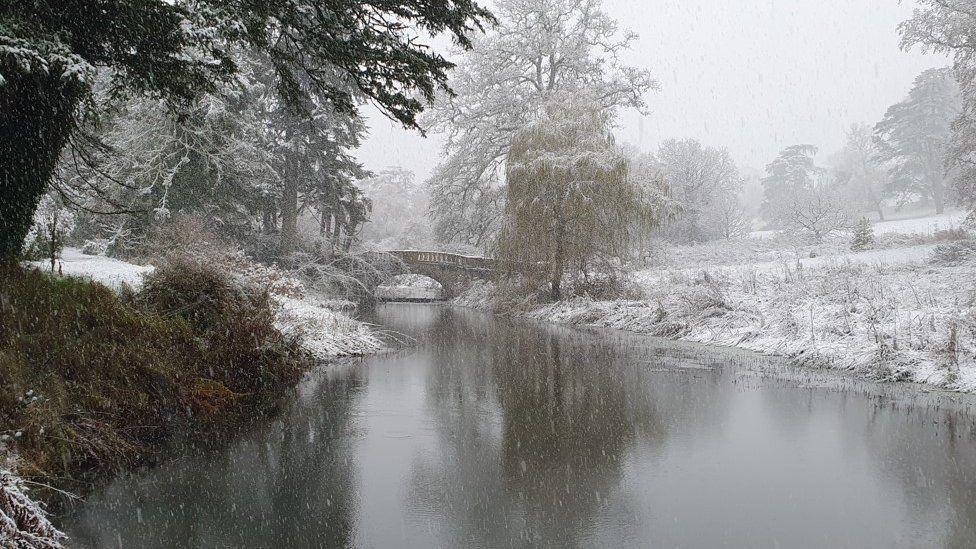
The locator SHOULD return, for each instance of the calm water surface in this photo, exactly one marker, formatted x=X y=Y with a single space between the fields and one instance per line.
x=494 y=433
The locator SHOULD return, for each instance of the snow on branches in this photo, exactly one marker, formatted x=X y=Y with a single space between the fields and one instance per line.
x=23 y=524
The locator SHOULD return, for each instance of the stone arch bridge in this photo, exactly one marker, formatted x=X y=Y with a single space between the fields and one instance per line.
x=454 y=272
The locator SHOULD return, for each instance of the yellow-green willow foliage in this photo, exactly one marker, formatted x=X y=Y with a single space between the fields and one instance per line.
x=572 y=205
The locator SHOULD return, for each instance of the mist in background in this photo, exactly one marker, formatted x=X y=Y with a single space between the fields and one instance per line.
x=753 y=77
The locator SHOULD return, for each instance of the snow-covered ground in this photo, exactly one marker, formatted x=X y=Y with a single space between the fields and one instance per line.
x=921 y=225
x=106 y=270
x=924 y=225
x=889 y=314
x=325 y=330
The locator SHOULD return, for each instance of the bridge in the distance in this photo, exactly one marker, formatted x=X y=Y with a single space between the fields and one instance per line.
x=454 y=272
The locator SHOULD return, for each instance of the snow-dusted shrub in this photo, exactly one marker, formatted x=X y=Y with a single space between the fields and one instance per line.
x=603 y=287
x=954 y=252
x=887 y=364
x=705 y=297
x=863 y=238
x=343 y=275
x=244 y=349
x=23 y=524
x=956 y=233
x=97 y=246
x=188 y=237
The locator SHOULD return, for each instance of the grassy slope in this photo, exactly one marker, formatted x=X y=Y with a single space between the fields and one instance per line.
x=91 y=381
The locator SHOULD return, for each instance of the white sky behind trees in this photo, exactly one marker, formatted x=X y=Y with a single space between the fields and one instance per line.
x=752 y=76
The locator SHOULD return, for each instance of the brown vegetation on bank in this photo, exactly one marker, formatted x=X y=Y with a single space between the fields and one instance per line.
x=92 y=382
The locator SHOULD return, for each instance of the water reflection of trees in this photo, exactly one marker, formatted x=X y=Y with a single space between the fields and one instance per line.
x=533 y=436
x=289 y=484
x=923 y=458
x=931 y=454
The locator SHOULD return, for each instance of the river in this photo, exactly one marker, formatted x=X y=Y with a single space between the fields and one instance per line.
x=489 y=432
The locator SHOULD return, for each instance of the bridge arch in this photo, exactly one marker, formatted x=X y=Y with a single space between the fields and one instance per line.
x=454 y=272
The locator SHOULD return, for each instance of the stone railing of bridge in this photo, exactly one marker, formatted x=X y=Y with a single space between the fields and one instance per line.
x=466 y=262
x=454 y=272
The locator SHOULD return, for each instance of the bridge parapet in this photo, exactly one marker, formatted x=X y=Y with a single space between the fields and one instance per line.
x=453 y=271
x=444 y=258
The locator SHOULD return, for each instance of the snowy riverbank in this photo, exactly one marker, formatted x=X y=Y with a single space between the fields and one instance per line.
x=320 y=325
x=324 y=328
x=902 y=314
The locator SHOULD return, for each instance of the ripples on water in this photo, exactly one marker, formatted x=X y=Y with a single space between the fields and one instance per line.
x=493 y=433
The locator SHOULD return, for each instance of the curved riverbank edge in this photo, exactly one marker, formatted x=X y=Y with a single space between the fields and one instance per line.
x=689 y=311
x=322 y=327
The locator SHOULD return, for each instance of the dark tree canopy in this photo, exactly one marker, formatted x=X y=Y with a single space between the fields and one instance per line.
x=178 y=48
x=50 y=51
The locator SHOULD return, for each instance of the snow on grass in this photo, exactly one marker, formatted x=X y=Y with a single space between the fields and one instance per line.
x=903 y=320
x=925 y=225
x=922 y=225
x=325 y=331
x=111 y=272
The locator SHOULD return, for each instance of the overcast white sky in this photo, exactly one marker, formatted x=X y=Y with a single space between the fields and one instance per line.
x=752 y=76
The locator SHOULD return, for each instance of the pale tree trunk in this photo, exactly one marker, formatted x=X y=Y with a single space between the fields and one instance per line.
x=269 y=218
x=323 y=222
x=336 y=228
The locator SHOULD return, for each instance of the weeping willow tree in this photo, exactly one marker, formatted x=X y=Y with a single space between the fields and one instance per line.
x=573 y=206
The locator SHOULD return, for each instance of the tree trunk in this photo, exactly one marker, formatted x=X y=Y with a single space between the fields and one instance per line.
x=335 y=235
x=938 y=196
x=54 y=238
x=323 y=221
x=289 y=210
x=556 y=274
x=269 y=219
x=36 y=120
x=880 y=213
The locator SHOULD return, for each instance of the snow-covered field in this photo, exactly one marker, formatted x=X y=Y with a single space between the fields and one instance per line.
x=891 y=314
x=921 y=225
x=325 y=330
x=924 y=225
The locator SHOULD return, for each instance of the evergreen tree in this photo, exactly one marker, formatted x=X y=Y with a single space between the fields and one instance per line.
x=792 y=173
x=50 y=51
x=914 y=138
x=863 y=237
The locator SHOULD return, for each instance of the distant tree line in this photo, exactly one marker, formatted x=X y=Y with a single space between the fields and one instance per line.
x=905 y=159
